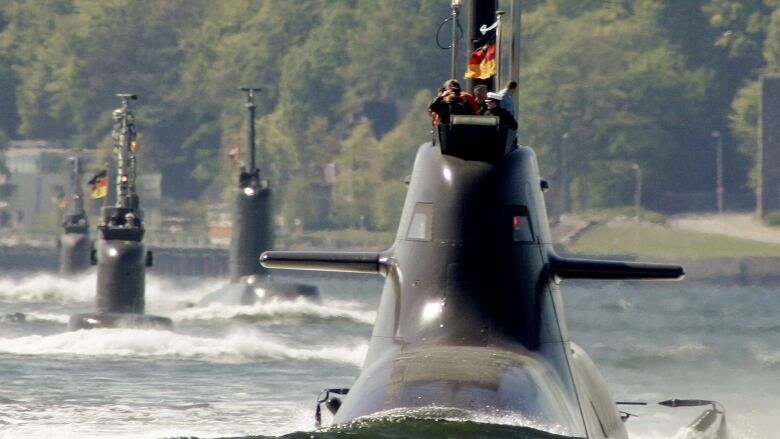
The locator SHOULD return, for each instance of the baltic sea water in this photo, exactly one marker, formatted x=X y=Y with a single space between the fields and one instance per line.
x=236 y=371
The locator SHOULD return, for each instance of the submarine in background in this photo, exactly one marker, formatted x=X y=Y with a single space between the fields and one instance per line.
x=471 y=317
x=253 y=233
x=120 y=254
x=74 y=244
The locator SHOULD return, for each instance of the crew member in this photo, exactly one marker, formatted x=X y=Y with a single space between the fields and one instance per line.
x=448 y=102
x=505 y=118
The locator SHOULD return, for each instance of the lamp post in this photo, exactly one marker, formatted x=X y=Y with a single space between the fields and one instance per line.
x=564 y=174
x=719 y=169
x=637 y=190
x=456 y=5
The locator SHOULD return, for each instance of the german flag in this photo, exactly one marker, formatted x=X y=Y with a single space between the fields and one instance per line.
x=98 y=185
x=482 y=63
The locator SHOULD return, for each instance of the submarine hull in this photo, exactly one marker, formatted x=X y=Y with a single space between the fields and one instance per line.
x=121 y=272
x=118 y=320
x=249 y=290
x=75 y=251
x=471 y=315
x=252 y=235
x=119 y=302
x=472 y=329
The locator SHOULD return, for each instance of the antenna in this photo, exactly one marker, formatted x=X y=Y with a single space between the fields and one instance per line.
x=76 y=203
x=124 y=148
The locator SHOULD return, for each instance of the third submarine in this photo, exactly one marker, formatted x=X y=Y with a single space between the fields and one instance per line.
x=253 y=233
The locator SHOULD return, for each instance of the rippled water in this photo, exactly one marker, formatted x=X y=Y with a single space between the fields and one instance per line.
x=236 y=371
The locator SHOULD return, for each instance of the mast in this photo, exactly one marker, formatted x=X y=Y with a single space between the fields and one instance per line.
x=250 y=138
x=456 y=5
x=76 y=202
x=124 y=136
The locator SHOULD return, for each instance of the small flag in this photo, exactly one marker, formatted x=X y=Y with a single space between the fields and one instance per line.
x=99 y=185
x=62 y=200
x=482 y=63
x=234 y=151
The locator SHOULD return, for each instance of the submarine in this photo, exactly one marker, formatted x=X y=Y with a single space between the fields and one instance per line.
x=120 y=254
x=471 y=317
x=253 y=233
x=74 y=244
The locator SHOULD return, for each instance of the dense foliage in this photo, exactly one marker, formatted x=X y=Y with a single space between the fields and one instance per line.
x=613 y=83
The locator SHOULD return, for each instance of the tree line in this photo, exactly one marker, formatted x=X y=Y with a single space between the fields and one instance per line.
x=605 y=84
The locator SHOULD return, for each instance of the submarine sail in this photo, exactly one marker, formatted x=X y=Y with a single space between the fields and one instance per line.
x=120 y=254
x=74 y=244
x=252 y=233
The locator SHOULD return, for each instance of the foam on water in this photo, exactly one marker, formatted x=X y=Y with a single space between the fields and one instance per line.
x=280 y=309
x=458 y=415
x=162 y=294
x=47 y=288
x=36 y=317
x=239 y=345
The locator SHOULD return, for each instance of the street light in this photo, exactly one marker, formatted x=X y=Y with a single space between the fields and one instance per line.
x=638 y=190
x=719 y=168
x=564 y=173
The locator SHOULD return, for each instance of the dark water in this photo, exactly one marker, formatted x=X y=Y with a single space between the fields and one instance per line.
x=255 y=371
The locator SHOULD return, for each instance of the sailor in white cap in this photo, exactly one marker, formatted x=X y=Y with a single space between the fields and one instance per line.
x=504 y=117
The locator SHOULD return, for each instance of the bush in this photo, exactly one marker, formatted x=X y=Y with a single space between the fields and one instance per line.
x=648 y=215
x=772 y=218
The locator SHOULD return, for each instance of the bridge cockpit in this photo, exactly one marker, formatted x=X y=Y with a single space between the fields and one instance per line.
x=480 y=138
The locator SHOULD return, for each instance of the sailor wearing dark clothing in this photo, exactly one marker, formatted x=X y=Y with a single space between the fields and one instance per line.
x=504 y=117
x=449 y=102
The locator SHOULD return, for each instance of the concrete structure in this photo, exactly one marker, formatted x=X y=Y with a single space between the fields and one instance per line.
x=37 y=179
x=768 y=155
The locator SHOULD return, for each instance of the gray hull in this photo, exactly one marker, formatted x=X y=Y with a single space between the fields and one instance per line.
x=118 y=320
x=75 y=249
x=249 y=290
x=120 y=298
x=471 y=315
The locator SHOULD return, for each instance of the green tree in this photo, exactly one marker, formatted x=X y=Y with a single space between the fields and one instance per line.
x=616 y=92
x=358 y=177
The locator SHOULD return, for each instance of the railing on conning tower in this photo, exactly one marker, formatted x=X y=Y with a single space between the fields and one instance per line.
x=479 y=138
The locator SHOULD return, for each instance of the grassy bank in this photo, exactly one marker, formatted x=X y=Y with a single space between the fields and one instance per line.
x=662 y=242
x=345 y=239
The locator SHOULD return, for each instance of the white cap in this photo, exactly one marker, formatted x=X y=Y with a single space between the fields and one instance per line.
x=493 y=96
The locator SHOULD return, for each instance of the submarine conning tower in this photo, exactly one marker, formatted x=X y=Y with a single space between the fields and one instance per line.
x=252 y=234
x=120 y=254
x=74 y=244
x=252 y=213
